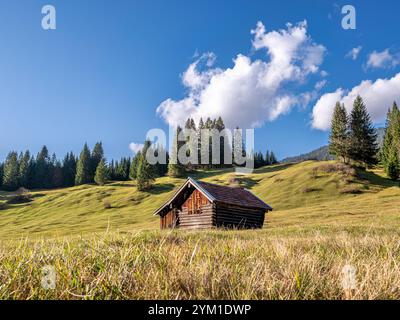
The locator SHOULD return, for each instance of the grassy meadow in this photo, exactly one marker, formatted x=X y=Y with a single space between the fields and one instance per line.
x=104 y=242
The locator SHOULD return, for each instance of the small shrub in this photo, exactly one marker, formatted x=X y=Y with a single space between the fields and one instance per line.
x=350 y=190
x=310 y=189
x=22 y=195
x=341 y=168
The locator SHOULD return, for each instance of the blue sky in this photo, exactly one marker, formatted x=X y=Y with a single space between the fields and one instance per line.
x=102 y=74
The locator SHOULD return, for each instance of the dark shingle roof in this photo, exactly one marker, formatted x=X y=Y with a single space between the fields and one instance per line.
x=229 y=195
x=233 y=195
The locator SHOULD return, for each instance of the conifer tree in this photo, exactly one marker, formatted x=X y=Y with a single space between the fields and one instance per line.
x=200 y=127
x=42 y=175
x=339 y=137
x=273 y=159
x=69 y=170
x=176 y=169
x=10 y=176
x=145 y=173
x=57 y=175
x=390 y=152
x=101 y=173
x=134 y=166
x=83 y=167
x=363 y=147
x=267 y=158
x=24 y=170
x=96 y=156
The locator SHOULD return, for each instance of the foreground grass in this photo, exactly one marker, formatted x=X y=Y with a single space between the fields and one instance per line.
x=206 y=265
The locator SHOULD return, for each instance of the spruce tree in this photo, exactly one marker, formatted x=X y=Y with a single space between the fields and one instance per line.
x=392 y=165
x=24 y=170
x=390 y=152
x=175 y=169
x=83 y=167
x=57 y=175
x=145 y=173
x=101 y=173
x=267 y=158
x=69 y=170
x=339 y=137
x=363 y=147
x=200 y=127
x=134 y=166
x=42 y=175
x=273 y=159
x=10 y=176
x=96 y=156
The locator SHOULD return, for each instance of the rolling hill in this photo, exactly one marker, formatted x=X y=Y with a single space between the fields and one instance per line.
x=304 y=194
x=322 y=153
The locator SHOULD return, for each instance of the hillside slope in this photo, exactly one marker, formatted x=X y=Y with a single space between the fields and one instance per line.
x=307 y=193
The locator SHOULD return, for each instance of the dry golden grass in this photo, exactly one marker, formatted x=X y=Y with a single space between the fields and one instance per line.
x=206 y=265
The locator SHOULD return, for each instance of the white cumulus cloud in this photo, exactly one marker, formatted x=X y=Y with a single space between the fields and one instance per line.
x=135 y=147
x=250 y=92
x=382 y=59
x=354 y=53
x=378 y=97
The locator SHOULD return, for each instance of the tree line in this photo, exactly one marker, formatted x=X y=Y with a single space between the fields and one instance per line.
x=353 y=139
x=208 y=128
x=46 y=172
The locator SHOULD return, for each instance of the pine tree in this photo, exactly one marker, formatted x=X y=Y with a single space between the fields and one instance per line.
x=339 y=137
x=209 y=125
x=224 y=142
x=134 y=166
x=42 y=176
x=175 y=169
x=273 y=159
x=200 y=127
x=390 y=152
x=83 y=167
x=96 y=156
x=24 y=170
x=238 y=148
x=191 y=126
x=363 y=147
x=267 y=158
x=57 y=175
x=145 y=173
x=101 y=173
x=69 y=170
x=392 y=165
x=10 y=176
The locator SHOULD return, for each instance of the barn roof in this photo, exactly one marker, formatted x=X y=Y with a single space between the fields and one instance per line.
x=217 y=193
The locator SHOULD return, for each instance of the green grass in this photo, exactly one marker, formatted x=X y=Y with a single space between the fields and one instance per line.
x=301 y=195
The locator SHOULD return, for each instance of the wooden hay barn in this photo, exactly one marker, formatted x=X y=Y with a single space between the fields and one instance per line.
x=199 y=205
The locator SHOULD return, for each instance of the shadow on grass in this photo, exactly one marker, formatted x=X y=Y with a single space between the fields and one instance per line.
x=371 y=178
x=274 y=168
x=161 y=188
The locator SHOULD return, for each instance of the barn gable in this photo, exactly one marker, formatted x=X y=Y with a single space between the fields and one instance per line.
x=199 y=204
